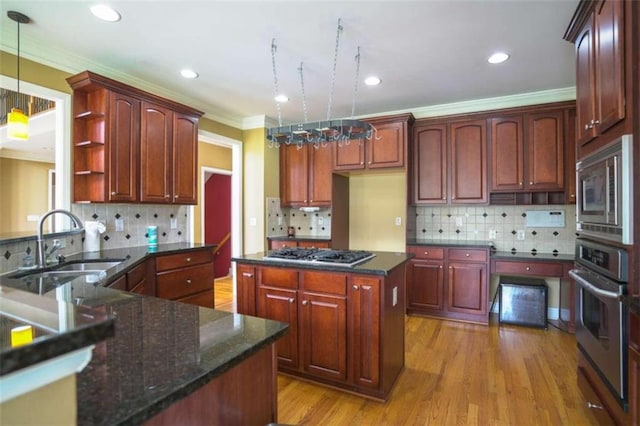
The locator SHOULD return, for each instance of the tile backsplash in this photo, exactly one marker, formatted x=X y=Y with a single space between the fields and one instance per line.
x=135 y=219
x=307 y=224
x=475 y=223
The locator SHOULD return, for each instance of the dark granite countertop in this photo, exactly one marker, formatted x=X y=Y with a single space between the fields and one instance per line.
x=383 y=263
x=449 y=243
x=58 y=328
x=299 y=238
x=162 y=350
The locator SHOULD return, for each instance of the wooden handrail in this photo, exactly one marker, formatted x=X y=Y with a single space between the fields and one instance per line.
x=223 y=242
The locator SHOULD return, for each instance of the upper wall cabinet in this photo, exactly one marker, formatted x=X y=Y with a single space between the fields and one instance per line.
x=386 y=149
x=130 y=145
x=305 y=175
x=450 y=163
x=602 y=80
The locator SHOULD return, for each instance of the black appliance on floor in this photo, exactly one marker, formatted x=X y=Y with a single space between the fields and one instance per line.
x=523 y=301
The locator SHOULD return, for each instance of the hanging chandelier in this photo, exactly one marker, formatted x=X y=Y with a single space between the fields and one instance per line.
x=341 y=131
x=17 y=121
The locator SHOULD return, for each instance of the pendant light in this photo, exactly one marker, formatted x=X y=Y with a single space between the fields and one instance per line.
x=17 y=121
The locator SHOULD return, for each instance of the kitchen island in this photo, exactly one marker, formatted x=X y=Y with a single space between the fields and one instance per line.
x=346 y=322
x=168 y=362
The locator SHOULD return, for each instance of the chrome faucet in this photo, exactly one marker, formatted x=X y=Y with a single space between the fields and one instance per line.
x=41 y=252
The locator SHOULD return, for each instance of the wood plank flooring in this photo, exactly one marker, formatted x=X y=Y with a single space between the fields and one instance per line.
x=455 y=373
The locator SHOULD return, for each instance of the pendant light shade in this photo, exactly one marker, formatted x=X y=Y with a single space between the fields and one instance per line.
x=17 y=121
x=17 y=125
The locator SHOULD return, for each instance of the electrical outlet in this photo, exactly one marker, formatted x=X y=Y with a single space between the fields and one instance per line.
x=253 y=221
x=174 y=223
x=280 y=221
x=119 y=224
x=458 y=221
x=520 y=234
x=493 y=234
x=398 y=221
x=33 y=218
x=320 y=220
x=61 y=243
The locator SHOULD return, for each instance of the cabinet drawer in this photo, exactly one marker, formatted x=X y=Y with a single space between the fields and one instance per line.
x=547 y=269
x=324 y=282
x=202 y=299
x=425 y=252
x=180 y=260
x=468 y=254
x=277 y=277
x=185 y=281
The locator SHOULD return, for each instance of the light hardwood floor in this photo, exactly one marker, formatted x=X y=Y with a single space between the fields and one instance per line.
x=455 y=373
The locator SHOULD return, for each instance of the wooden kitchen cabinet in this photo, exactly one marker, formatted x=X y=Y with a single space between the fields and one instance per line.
x=246 y=289
x=130 y=145
x=450 y=163
x=386 y=149
x=449 y=282
x=305 y=175
x=141 y=279
x=186 y=277
x=342 y=325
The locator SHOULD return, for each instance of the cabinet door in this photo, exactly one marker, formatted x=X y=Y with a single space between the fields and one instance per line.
x=349 y=157
x=281 y=305
x=609 y=64
x=425 y=281
x=141 y=279
x=323 y=335
x=365 y=325
x=124 y=144
x=467 y=288
x=294 y=171
x=155 y=154
x=570 y=158
x=320 y=175
x=468 y=162
x=507 y=154
x=387 y=147
x=185 y=159
x=246 y=289
x=585 y=86
x=545 y=151
x=430 y=165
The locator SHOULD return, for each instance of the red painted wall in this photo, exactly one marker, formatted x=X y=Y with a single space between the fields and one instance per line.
x=217 y=220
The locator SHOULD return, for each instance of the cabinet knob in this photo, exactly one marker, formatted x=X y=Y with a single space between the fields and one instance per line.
x=467 y=255
x=586 y=127
x=440 y=266
x=291 y=300
x=369 y=162
x=426 y=252
x=311 y=201
x=573 y=195
x=530 y=183
x=596 y=121
x=361 y=163
x=304 y=302
x=527 y=268
x=444 y=198
x=305 y=201
x=520 y=183
x=188 y=259
x=450 y=267
x=355 y=287
x=175 y=196
x=247 y=274
x=453 y=198
x=594 y=406
x=188 y=281
x=113 y=193
x=166 y=196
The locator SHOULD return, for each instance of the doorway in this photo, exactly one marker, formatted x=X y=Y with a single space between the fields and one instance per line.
x=217 y=219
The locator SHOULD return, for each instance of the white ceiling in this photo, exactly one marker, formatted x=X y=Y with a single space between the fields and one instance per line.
x=426 y=52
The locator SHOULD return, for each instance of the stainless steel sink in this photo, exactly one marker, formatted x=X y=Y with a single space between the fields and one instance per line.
x=87 y=267
x=72 y=269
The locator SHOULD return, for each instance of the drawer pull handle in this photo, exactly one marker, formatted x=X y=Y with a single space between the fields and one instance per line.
x=594 y=406
x=247 y=274
x=304 y=302
x=527 y=268
x=188 y=281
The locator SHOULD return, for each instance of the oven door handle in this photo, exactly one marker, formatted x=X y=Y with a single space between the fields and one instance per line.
x=586 y=284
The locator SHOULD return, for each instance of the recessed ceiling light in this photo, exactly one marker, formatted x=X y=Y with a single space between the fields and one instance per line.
x=106 y=13
x=372 y=81
x=189 y=74
x=282 y=98
x=498 y=58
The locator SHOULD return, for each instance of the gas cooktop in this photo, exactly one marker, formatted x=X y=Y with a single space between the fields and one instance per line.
x=314 y=255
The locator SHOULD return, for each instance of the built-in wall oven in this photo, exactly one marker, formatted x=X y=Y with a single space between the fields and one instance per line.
x=601 y=274
x=604 y=204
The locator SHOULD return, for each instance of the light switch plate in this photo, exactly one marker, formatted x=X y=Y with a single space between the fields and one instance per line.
x=398 y=221
x=174 y=223
x=520 y=234
x=119 y=225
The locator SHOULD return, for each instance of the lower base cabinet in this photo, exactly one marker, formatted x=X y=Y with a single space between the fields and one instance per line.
x=449 y=283
x=345 y=330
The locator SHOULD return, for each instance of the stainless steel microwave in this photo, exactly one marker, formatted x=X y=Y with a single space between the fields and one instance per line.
x=604 y=180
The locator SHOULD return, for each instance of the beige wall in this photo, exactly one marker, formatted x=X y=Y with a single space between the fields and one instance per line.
x=375 y=200
x=214 y=156
x=23 y=191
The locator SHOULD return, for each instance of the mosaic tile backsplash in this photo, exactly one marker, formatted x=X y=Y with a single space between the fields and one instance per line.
x=135 y=219
x=475 y=223
x=314 y=224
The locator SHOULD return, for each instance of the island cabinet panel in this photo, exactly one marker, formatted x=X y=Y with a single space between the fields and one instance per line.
x=346 y=329
x=323 y=335
x=449 y=283
x=130 y=145
x=187 y=277
x=365 y=296
x=246 y=289
x=141 y=278
x=282 y=305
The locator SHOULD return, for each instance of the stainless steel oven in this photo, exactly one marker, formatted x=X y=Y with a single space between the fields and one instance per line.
x=605 y=192
x=601 y=275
